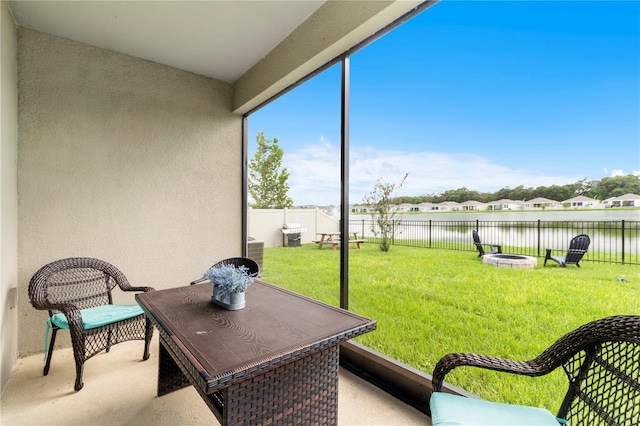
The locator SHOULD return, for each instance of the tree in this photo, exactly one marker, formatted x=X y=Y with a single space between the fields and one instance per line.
x=618 y=185
x=383 y=210
x=267 y=183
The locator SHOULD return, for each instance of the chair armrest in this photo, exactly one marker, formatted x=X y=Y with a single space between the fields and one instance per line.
x=548 y=253
x=451 y=361
x=586 y=338
x=74 y=317
x=491 y=245
x=144 y=289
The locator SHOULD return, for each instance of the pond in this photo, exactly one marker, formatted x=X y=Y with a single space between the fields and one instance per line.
x=530 y=231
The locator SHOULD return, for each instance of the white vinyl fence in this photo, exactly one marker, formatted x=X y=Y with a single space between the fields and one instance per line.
x=265 y=224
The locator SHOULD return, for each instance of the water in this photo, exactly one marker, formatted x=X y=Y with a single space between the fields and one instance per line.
x=603 y=226
x=614 y=215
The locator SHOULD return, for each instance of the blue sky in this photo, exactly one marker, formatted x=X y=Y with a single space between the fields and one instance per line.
x=478 y=94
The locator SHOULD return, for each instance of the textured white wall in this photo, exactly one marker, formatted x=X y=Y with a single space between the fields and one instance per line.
x=9 y=192
x=125 y=160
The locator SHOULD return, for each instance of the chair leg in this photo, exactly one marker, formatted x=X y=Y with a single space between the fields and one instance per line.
x=109 y=337
x=47 y=363
x=79 y=371
x=147 y=339
x=79 y=353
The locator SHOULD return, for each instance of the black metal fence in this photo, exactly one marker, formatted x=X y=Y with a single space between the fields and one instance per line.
x=611 y=242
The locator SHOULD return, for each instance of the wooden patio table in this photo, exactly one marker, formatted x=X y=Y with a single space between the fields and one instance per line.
x=273 y=362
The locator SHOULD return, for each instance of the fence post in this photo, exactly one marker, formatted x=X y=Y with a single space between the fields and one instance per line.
x=539 y=238
x=623 y=241
x=430 y=245
x=362 y=233
x=393 y=232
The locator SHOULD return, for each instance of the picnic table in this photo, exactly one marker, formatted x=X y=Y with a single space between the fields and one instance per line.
x=333 y=239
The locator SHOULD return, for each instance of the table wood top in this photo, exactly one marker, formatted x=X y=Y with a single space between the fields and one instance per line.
x=275 y=326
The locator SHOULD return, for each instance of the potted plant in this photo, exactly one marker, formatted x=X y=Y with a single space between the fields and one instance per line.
x=229 y=285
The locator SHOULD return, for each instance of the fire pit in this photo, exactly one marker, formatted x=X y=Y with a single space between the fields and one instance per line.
x=510 y=261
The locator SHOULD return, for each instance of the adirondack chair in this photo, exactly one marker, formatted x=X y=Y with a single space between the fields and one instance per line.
x=600 y=360
x=493 y=248
x=577 y=248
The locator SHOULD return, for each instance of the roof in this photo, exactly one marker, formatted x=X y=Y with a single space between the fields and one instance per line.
x=624 y=197
x=259 y=47
x=579 y=198
x=217 y=39
x=542 y=200
x=505 y=201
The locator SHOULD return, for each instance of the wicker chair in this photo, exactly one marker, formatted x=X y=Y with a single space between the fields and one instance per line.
x=577 y=248
x=77 y=292
x=493 y=248
x=254 y=268
x=602 y=363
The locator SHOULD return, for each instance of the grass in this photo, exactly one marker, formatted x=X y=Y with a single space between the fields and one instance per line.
x=428 y=303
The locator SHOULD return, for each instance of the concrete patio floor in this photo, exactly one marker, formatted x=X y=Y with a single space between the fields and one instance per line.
x=120 y=389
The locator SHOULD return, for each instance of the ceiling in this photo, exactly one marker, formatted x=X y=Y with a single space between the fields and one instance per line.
x=218 y=39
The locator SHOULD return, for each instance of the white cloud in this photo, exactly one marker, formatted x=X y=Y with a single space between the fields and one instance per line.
x=619 y=172
x=616 y=172
x=315 y=173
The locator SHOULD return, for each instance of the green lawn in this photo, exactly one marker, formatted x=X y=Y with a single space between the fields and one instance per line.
x=431 y=302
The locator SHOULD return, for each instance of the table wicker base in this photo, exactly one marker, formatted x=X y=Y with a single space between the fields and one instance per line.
x=304 y=391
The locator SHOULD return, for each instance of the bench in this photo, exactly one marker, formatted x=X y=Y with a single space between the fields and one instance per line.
x=358 y=242
x=333 y=243
x=336 y=243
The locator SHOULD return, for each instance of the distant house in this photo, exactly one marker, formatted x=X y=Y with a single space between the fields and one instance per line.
x=473 y=205
x=504 y=204
x=359 y=208
x=425 y=207
x=626 y=200
x=581 y=202
x=407 y=207
x=448 y=206
x=541 y=203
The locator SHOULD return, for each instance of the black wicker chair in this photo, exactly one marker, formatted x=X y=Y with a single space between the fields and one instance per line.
x=254 y=268
x=493 y=248
x=77 y=292
x=577 y=248
x=602 y=363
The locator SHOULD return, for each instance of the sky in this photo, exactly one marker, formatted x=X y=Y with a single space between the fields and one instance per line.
x=477 y=94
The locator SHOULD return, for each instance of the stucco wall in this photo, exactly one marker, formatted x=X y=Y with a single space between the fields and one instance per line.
x=9 y=195
x=125 y=160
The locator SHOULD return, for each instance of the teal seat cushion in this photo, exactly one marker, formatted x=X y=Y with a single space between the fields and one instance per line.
x=99 y=316
x=453 y=410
